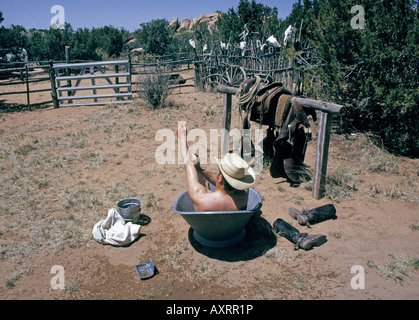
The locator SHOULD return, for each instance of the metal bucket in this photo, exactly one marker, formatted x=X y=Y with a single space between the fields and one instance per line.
x=130 y=210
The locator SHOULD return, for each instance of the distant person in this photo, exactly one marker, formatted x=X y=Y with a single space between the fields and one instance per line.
x=232 y=180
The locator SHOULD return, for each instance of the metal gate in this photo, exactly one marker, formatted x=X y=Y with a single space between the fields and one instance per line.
x=110 y=83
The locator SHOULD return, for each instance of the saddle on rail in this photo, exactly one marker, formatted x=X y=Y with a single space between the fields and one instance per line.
x=288 y=133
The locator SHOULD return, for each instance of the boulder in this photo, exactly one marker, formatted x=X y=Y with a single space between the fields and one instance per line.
x=174 y=24
x=208 y=18
x=132 y=44
x=189 y=24
x=185 y=25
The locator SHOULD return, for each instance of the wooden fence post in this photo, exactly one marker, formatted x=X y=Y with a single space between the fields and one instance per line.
x=68 y=71
x=227 y=99
x=129 y=70
x=199 y=77
x=117 y=71
x=92 y=72
x=322 y=154
x=53 y=86
x=27 y=88
x=196 y=75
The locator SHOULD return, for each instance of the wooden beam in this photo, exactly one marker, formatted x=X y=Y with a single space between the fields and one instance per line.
x=27 y=88
x=227 y=99
x=319 y=105
x=323 y=106
x=227 y=89
x=322 y=155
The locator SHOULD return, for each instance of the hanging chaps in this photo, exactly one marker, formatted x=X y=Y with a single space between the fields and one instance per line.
x=288 y=133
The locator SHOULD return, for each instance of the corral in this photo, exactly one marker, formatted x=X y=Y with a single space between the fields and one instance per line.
x=62 y=169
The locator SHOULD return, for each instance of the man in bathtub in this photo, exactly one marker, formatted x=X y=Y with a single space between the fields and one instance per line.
x=232 y=180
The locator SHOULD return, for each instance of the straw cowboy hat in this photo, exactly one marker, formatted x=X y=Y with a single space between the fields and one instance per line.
x=236 y=171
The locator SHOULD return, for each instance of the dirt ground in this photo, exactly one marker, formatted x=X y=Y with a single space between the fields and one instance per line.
x=63 y=169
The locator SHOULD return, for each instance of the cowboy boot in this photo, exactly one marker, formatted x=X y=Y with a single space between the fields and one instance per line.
x=313 y=216
x=300 y=240
x=295 y=170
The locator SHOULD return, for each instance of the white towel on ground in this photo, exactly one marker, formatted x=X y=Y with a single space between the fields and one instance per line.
x=114 y=231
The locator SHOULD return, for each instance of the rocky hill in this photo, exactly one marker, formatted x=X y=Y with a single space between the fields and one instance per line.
x=188 y=24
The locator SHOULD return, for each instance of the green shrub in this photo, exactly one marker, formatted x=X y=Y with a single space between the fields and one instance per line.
x=154 y=89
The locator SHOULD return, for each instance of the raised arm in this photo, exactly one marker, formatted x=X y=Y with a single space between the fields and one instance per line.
x=195 y=188
x=208 y=175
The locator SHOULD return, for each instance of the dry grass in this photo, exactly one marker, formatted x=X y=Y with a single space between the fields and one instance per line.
x=341 y=183
x=44 y=213
x=360 y=155
x=280 y=255
x=373 y=157
x=52 y=194
x=398 y=268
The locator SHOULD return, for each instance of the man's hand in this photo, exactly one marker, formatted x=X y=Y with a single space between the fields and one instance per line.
x=181 y=130
x=187 y=157
x=183 y=147
x=194 y=159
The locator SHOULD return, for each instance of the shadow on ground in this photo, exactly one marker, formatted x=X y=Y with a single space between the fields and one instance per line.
x=15 y=107
x=260 y=238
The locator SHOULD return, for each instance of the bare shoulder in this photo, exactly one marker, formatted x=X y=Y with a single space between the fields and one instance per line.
x=218 y=201
x=201 y=198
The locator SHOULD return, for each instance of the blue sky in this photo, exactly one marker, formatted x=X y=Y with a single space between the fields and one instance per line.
x=128 y=14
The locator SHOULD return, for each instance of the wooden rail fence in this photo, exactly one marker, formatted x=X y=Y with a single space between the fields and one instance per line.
x=170 y=69
x=213 y=69
x=28 y=75
x=109 y=82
